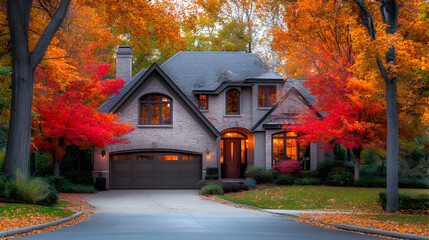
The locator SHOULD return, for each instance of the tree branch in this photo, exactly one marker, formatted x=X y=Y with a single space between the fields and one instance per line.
x=367 y=20
x=48 y=34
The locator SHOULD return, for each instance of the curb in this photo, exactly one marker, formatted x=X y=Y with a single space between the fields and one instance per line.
x=379 y=232
x=40 y=226
x=339 y=226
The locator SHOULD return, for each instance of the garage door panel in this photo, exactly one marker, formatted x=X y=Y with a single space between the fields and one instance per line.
x=149 y=172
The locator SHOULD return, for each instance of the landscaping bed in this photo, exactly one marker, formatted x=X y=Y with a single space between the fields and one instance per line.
x=359 y=206
x=17 y=215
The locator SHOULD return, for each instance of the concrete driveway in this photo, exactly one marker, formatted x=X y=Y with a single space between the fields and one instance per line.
x=182 y=214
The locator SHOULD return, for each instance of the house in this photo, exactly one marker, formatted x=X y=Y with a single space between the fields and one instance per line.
x=199 y=110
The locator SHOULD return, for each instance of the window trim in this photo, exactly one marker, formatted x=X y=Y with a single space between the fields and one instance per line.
x=199 y=102
x=266 y=95
x=298 y=155
x=226 y=101
x=149 y=102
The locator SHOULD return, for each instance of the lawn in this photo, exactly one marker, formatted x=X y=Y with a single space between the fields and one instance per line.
x=314 y=197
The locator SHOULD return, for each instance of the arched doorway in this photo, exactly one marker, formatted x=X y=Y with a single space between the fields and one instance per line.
x=233 y=158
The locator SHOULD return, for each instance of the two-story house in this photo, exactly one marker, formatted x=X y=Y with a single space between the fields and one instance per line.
x=199 y=110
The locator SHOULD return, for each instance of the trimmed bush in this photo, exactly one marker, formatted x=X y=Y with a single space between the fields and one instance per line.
x=212 y=176
x=250 y=183
x=265 y=177
x=370 y=181
x=253 y=171
x=323 y=169
x=62 y=185
x=212 y=171
x=307 y=181
x=211 y=190
x=340 y=178
x=309 y=174
x=285 y=180
x=413 y=182
x=407 y=202
x=289 y=167
x=234 y=187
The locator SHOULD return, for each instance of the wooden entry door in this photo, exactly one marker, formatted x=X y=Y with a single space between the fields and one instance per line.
x=232 y=154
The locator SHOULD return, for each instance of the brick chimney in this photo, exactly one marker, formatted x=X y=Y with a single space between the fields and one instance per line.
x=124 y=63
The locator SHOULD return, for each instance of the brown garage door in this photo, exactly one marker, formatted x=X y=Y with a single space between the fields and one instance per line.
x=155 y=170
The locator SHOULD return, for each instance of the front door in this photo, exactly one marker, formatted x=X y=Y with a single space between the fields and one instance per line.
x=232 y=154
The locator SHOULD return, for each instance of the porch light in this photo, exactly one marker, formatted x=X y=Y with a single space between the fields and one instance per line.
x=103 y=153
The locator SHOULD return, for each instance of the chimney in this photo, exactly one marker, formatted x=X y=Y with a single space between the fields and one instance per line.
x=124 y=63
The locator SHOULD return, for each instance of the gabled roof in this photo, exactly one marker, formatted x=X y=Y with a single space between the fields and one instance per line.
x=291 y=86
x=116 y=101
x=206 y=71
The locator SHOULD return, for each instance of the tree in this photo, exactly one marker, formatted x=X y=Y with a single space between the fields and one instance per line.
x=24 y=63
x=68 y=116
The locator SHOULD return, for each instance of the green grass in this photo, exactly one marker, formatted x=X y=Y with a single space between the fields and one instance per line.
x=401 y=219
x=314 y=197
x=12 y=210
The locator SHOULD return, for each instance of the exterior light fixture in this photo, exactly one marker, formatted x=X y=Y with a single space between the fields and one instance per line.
x=207 y=152
x=103 y=153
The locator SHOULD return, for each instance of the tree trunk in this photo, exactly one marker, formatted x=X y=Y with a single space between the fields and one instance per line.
x=23 y=65
x=392 y=147
x=356 y=155
x=57 y=168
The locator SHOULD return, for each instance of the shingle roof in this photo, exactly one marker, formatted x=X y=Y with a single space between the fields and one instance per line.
x=207 y=70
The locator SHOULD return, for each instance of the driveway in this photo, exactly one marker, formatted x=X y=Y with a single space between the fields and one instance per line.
x=182 y=214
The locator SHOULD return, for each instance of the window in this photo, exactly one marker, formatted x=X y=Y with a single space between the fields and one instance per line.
x=169 y=157
x=155 y=110
x=267 y=96
x=233 y=102
x=203 y=101
x=124 y=157
x=287 y=148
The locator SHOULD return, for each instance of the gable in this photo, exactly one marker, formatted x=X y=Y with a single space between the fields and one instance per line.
x=154 y=80
x=292 y=103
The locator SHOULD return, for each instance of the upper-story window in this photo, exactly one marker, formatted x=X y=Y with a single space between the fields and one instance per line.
x=155 y=110
x=267 y=96
x=203 y=102
x=233 y=102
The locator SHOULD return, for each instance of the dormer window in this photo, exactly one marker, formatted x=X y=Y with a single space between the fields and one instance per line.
x=267 y=96
x=155 y=110
x=203 y=102
x=233 y=102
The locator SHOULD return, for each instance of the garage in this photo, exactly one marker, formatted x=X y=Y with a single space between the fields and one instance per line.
x=155 y=170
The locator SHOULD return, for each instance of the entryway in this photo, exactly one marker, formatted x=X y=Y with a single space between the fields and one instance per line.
x=233 y=154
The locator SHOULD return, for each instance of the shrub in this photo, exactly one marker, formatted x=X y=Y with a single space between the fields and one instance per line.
x=74 y=176
x=211 y=190
x=370 y=181
x=52 y=198
x=309 y=174
x=44 y=165
x=285 y=180
x=2 y=156
x=62 y=185
x=212 y=176
x=289 y=167
x=201 y=184
x=250 y=183
x=234 y=187
x=340 y=178
x=253 y=171
x=265 y=177
x=406 y=202
x=323 y=169
x=413 y=182
x=30 y=190
x=307 y=181
x=7 y=187
x=212 y=171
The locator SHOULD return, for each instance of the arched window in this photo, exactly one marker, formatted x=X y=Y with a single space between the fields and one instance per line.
x=233 y=102
x=287 y=148
x=155 y=109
